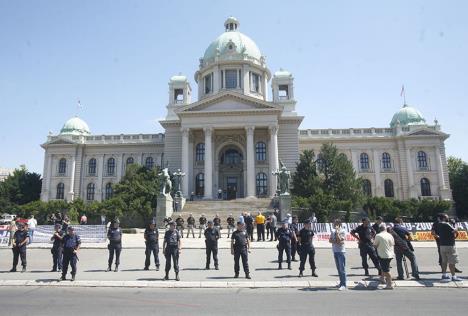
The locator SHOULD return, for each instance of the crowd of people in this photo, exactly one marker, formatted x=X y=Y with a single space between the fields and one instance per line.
x=380 y=242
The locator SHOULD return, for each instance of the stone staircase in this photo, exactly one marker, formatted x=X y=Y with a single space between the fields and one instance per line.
x=212 y=207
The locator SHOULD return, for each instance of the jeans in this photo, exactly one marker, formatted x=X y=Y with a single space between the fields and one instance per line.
x=340 y=261
x=31 y=235
x=399 y=259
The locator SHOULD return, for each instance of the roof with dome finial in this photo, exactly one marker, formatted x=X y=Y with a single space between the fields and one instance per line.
x=407 y=115
x=75 y=126
x=232 y=42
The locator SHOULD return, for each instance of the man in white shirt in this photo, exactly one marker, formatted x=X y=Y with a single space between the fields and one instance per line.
x=32 y=223
x=384 y=243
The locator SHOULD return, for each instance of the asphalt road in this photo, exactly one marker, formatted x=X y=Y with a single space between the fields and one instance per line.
x=263 y=266
x=118 y=301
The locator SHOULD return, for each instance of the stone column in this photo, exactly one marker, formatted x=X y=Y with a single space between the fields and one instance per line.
x=354 y=160
x=250 y=161
x=185 y=161
x=440 y=168
x=100 y=172
x=409 y=165
x=208 y=164
x=71 y=194
x=48 y=192
x=274 y=163
x=378 y=180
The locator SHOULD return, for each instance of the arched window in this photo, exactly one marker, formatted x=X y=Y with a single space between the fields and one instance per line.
x=386 y=161
x=200 y=184
x=62 y=167
x=60 y=191
x=261 y=183
x=90 y=192
x=110 y=166
x=364 y=159
x=260 y=151
x=388 y=184
x=200 y=152
x=149 y=162
x=129 y=161
x=109 y=192
x=367 y=187
x=422 y=160
x=425 y=187
x=92 y=166
x=231 y=157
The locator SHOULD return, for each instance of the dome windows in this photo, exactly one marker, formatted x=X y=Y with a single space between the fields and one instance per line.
x=255 y=84
x=231 y=24
x=230 y=78
x=208 y=81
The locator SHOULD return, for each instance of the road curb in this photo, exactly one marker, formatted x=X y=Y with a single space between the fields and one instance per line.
x=359 y=285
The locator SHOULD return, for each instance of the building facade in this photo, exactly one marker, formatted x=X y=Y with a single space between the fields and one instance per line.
x=232 y=138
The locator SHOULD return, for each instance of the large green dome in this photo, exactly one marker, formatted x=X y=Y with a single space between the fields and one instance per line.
x=407 y=115
x=75 y=126
x=232 y=42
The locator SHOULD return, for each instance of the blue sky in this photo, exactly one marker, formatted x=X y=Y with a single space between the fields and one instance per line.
x=349 y=60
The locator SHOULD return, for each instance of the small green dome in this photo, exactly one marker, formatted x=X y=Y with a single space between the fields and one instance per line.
x=232 y=42
x=75 y=126
x=407 y=115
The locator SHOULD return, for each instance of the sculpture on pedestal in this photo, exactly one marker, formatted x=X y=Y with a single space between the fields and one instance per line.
x=178 y=179
x=165 y=180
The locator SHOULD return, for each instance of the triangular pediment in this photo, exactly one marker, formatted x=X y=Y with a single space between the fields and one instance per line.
x=229 y=101
x=426 y=132
x=57 y=140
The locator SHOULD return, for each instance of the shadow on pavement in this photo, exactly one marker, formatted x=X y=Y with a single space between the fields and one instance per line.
x=194 y=269
x=46 y=280
x=219 y=277
x=150 y=279
x=101 y=270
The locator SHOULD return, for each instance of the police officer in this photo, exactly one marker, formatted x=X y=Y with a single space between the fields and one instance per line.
x=71 y=245
x=202 y=222
x=180 y=225
x=365 y=234
x=57 y=248
x=240 y=247
x=306 y=248
x=284 y=235
x=217 y=224
x=190 y=225
x=20 y=240
x=295 y=229
x=152 y=245
x=115 y=245
x=230 y=225
x=211 y=241
x=171 y=249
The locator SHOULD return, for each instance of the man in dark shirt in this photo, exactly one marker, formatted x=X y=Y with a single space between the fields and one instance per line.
x=376 y=225
x=446 y=234
x=365 y=234
x=71 y=245
x=306 y=248
x=172 y=249
x=230 y=225
x=284 y=235
x=180 y=225
x=211 y=242
x=20 y=240
x=249 y=226
x=202 y=226
x=295 y=229
x=152 y=245
x=217 y=224
x=190 y=225
x=57 y=248
x=240 y=247
x=402 y=250
x=114 y=234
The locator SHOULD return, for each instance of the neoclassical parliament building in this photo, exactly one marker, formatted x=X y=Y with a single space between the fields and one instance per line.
x=232 y=138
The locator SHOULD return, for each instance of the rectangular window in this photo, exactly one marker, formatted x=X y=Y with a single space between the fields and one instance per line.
x=255 y=82
x=222 y=79
x=208 y=84
x=283 y=92
x=179 y=95
x=231 y=78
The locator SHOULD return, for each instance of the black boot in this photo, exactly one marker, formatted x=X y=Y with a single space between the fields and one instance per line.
x=236 y=275
x=13 y=269
x=63 y=278
x=300 y=274
x=207 y=267
x=177 y=276
x=157 y=267
x=289 y=266
x=366 y=272
x=314 y=274
x=166 y=277
x=247 y=276
x=146 y=268
x=216 y=267
x=24 y=269
x=109 y=268
x=73 y=277
x=116 y=268
x=280 y=266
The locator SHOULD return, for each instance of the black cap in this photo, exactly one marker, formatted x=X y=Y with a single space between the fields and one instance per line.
x=172 y=223
x=240 y=223
x=307 y=221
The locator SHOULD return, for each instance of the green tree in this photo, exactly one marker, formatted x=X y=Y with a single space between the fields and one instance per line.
x=458 y=177
x=20 y=188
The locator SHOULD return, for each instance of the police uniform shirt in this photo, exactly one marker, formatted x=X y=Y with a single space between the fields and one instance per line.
x=295 y=228
x=306 y=236
x=180 y=221
x=191 y=220
x=151 y=235
x=211 y=236
x=230 y=220
x=248 y=220
x=172 y=237
x=216 y=221
x=114 y=235
x=57 y=241
x=284 y=234
x=71 y=242
x=20 y=236
x=240 y=239
x=202 y=220
x=365 y=233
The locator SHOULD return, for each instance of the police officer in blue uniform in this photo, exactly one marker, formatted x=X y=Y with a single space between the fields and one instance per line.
x=211 y=242
x=295 y=228
x=171 y=249
x=152 y=245
x=115 y=244
x=71 y=245
x=285 y=235
x=240 y=247
x=365 y=235
x=57 y=248
x=306 y=248
x=20 y=240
